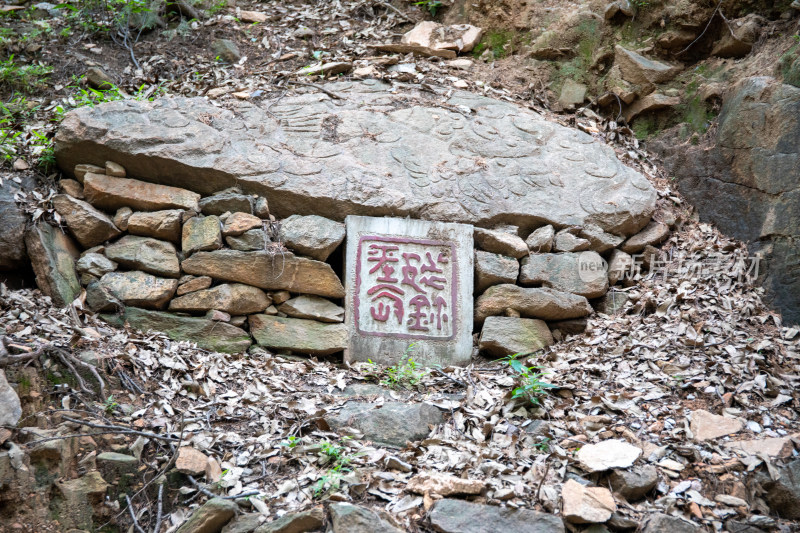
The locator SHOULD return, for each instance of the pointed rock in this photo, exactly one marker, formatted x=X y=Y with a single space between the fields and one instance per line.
x=586 y=505
x=53 y=256
x=500 y=242
x=534 y=302
x=235 y=298
x=89 y=226
x=313 y=307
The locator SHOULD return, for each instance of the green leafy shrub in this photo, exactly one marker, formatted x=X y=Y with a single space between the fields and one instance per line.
x=530 y=385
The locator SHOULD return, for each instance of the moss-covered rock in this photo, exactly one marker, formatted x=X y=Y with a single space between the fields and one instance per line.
x=208 y=334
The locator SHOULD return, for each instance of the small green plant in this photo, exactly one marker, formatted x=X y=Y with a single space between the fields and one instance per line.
x=543 y=445
x=531 y=387
x=292 y=442
x=339 y=459
x=109 y=405
x=432 y=6
x=216 y=8
x=25 y=78
x=407 y=373
x=330 y=481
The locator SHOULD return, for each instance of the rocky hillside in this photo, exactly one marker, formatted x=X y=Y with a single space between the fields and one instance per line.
x=667 y=130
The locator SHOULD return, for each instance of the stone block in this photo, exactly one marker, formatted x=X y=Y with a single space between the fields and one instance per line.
x=409 y=282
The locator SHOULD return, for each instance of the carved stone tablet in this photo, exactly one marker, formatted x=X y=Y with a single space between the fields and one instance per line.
x=408 y=282
x=378 y=151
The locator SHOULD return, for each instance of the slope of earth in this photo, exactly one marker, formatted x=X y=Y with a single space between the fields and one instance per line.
x=692 y=383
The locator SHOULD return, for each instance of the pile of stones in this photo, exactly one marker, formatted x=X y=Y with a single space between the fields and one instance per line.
x=220 y=270
x=164 y=258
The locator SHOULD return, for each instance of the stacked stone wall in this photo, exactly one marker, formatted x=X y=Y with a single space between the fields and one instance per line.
x=221 y=271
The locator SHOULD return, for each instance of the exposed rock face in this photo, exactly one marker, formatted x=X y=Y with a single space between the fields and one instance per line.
x=298 y=335
x=235 y=299
x=201 y=234
x=416 y=159
x=313 y=307
x=313 y=235
x=747 y=183
x=459 y=516
x=392 y=424
x=249 y=241
x=208 y=334
x=544 y=303
x=271 y=271
x=146 y=254
x=111 y=193
x=53 y=256
x=238 y=223
x=10 y=409
x=89 y=226
x=502 y=335
x=581 y=273
x=349 y=518
x=12 y=225
x=494 y=269
x=218 y=204
x=165 y=225
x=139 y=288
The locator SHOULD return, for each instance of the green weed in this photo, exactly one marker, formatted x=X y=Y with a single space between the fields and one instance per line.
x=109 y=405
x=406 y=374
x=292 y=442
x=339 y=459
x=24 y=78
x=531 y=387
x=432 y=6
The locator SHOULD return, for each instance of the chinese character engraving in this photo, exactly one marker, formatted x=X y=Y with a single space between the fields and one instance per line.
x=406 y=287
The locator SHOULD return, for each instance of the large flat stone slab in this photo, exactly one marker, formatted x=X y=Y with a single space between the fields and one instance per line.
x=298 y=334
x=408 y=282
x=208 y=334
x=52 y=255
x=462 y=157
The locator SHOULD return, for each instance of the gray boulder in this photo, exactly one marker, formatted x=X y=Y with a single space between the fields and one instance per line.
x=390 y=424
x=12 y=224
x=459 y=516
x=746 y=183
x=53 y=255
x=349 y=518
x=10 y=408
x=311 y=235
x=413 y=160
